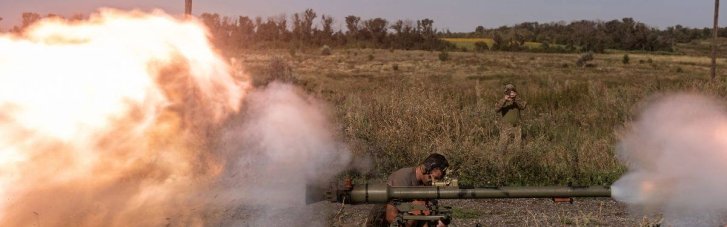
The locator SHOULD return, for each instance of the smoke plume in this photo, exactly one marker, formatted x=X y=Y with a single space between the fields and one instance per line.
x=287 y=144
x=676 y=154
x=134 y=119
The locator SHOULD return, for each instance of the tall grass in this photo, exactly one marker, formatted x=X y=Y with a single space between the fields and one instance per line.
x=570 y=127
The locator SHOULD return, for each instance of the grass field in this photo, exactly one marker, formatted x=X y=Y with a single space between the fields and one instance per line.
x=397 y=106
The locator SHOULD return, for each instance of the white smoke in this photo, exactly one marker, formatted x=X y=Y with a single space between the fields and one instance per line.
x=283 y=143
x=676 y=154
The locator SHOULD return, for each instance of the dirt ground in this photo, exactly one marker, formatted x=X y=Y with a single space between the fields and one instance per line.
x=516 y=212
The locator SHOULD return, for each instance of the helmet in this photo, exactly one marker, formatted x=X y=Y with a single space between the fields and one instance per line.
x=434 y=161
x=509 y=87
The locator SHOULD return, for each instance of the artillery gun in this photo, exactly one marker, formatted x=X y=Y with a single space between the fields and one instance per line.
x=381 y=193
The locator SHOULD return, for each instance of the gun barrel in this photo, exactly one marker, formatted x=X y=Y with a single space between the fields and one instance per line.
x=382 y=193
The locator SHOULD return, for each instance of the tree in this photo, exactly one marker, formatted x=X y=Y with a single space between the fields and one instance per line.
x=352 y=26
x=28 y=19
x=307 y=24
x=214 y=24
x=244 y=32
x=297 y=27
x=282 y=27
x=397 y=26
x=425 y=27
x=405 y=36
x=212 y=21
x=376 y=29
x=268 y=30
x=498 y=43
x=327 y=24
x=479 y=30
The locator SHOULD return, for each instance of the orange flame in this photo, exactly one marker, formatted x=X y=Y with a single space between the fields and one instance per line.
x=105 y=122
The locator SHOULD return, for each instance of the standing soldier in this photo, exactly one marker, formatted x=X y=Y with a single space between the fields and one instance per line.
x=510 y=107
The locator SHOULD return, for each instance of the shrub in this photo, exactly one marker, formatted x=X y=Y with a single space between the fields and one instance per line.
x=325 y=50
x=481 y=46
x=586 y=57
x=371 y=57
x=395 y=67
x=625 y=59
x=279 y=70
x=292 y=51
x=545 y=46
x=443 y=55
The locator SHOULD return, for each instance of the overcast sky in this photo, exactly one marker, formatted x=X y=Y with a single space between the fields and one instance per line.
x=455 y=15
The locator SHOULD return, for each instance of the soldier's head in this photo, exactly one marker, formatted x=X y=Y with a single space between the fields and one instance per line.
x=435 y=166
x=510 y=89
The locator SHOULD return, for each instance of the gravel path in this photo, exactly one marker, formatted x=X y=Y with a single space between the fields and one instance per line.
x=486 y=212
x=515 y=212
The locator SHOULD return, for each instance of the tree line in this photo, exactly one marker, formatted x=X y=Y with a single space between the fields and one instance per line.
x=587 y=35
x=305 y=30
x=309 y=29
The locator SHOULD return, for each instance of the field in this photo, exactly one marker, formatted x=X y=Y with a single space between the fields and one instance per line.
x=393 y=107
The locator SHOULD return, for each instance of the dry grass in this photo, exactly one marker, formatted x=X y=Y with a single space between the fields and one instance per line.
x=398 y=116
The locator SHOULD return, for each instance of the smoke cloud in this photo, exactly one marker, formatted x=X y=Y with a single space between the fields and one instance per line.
x=286 y=143
x=133 y=119
x=676 y=154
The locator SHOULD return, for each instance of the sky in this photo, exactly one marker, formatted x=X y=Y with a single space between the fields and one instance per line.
x=455 y=15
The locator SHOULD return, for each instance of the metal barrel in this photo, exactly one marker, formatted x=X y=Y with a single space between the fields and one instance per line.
x=382 y=193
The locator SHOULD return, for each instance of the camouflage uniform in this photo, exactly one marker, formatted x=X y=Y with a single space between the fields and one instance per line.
x=510 y=124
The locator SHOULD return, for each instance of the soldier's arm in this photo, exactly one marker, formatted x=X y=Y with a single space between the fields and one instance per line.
x=521 y=104
x=500 y=104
